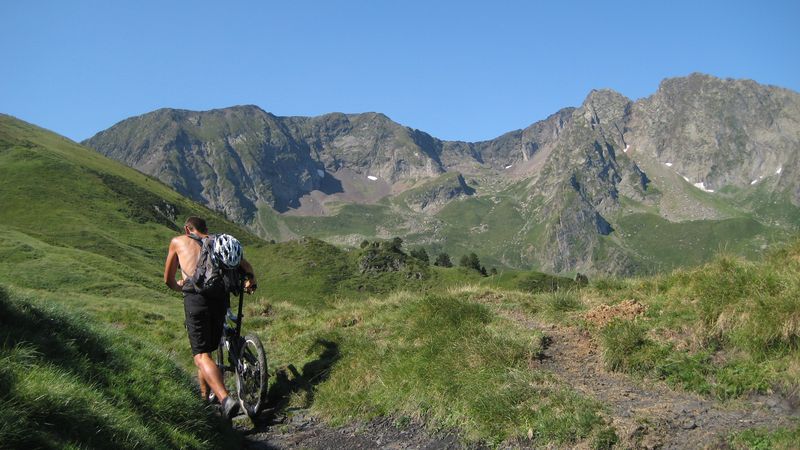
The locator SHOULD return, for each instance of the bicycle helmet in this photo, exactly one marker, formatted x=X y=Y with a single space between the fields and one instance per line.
x=227 y=250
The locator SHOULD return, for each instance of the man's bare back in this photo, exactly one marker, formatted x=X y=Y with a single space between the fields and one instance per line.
x=183 y=253
x=188 y=252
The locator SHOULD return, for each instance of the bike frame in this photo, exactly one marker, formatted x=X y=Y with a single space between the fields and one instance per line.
x=241 y=358
x=233 y=341
x=239 y=312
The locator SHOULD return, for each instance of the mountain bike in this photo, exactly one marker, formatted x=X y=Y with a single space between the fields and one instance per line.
x=244 y=358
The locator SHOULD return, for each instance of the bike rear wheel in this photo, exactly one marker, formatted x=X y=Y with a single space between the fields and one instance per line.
x=251 y=375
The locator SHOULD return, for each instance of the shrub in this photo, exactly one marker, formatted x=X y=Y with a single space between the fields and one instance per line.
x=542 y=282
x=421 y=255
x=471 y=261
x=443 y=260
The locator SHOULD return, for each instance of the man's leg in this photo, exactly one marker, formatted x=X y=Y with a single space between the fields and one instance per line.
x=208 y=374
x=203 y=385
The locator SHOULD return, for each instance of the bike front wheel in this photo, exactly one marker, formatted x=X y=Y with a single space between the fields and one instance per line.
x=251 y=375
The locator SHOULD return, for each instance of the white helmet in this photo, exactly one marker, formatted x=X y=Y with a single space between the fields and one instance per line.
x=227 y=250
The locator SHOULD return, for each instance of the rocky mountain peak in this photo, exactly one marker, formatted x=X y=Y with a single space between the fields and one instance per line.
x=606 y=105
x=720 y=132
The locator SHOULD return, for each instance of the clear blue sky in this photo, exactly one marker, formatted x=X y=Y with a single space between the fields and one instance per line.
x=455 y=69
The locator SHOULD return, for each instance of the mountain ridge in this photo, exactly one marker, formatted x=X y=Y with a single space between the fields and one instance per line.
x=660 y=154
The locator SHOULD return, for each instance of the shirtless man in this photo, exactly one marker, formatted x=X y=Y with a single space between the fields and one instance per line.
x=205 y=314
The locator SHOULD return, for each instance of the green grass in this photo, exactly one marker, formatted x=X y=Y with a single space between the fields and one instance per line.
x=727 y=329
x=84 y=385
x=762 y=439
x=84 y=201
x=442 y=359
x=773 y=207
x=86 y=235
x=668 y=245
x=536 y=282
x=558 y=304
x=308 y=271
x=350 y=219
x=627 y=349
x=270 y=222
x=485 y=226
x=305 y=271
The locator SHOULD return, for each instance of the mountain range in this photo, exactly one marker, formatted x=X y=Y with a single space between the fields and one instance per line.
x=612 y=186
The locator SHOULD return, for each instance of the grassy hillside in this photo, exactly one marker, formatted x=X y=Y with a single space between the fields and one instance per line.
x=81 y=384
x=665 y=245
x=487 y=225
x=442 y=359
x=85 y=235
x=65 y=195
x=727 y=329
x=85 y=231
x=350 y=219
x=500 y=225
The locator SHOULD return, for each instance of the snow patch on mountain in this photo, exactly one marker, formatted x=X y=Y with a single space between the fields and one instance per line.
x=702 y=187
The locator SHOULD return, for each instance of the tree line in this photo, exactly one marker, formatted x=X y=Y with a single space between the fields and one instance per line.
x=470 y=261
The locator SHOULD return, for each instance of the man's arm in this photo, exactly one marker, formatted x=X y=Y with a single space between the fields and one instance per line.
x=170 y=267
x=250 y=284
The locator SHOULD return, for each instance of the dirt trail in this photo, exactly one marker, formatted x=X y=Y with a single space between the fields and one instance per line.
x=285 y=427
x=297 y=429
x=650 y=414
x=646 y=414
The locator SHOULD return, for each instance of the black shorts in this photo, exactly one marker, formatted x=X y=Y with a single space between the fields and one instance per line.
x=205 y=316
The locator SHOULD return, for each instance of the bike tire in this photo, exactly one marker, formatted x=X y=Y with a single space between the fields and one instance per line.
x=252 y=375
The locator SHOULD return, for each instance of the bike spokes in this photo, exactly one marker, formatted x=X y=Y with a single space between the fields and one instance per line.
x=251 y=375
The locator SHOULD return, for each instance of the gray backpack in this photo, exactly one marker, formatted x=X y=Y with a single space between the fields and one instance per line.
x=209 y=275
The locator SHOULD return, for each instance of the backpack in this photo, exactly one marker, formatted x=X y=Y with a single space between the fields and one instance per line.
x=209 y=274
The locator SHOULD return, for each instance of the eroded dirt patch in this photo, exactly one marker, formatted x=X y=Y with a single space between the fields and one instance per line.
x=625 y=310
x=647 y=413
x=297 y=429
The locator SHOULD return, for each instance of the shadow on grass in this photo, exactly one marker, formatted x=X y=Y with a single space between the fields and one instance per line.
x=118 y=390
x=56 y=339
x=290 y=381
x=49 y=338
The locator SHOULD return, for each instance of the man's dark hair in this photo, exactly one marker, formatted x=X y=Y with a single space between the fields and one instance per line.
x=197 y=224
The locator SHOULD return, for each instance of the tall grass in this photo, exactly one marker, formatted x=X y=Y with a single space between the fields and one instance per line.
x=66 y=381
x=439 y=359
x=729 y=328
x=762 y=439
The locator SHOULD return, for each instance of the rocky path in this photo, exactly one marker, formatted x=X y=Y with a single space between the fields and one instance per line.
x=646 y=414
x=296 y=429
x=650 y=414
